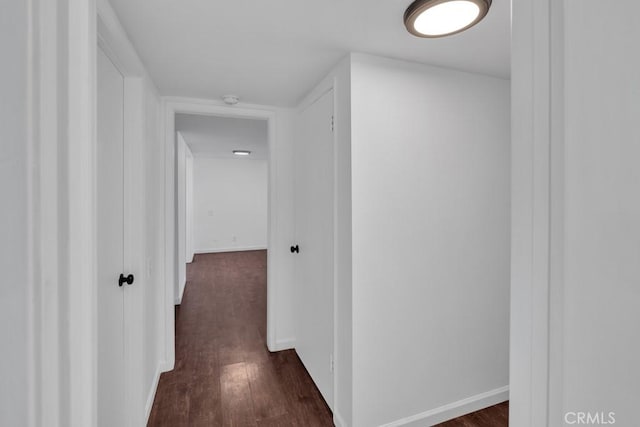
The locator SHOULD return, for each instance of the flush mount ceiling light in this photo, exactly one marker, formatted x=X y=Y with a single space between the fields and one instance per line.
x=439 y=18
x=231 y=99
x=241 y=152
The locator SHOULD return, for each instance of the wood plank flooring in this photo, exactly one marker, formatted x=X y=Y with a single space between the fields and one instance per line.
x=493 y=416
x=224 y=374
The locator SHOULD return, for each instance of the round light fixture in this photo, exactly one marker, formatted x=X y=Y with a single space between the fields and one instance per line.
x=439 y=18
x=241 y=152
x=231 y=99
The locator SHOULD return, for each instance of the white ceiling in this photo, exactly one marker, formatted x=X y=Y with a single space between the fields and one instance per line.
x=273 y=51
x=217 y=137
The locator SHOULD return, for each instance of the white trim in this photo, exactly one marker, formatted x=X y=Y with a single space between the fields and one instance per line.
x=48 y=286
x=34 y=293
x=537 y=211
x=180 y=295
x=174 y=105
x=62 y=117
x=338 y=421
x=79 y=264
x=152 y=393
x=283 y=344
x=236 y=249
x=454 y=410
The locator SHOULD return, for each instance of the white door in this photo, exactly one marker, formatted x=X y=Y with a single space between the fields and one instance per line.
x=314 y=238
x=110 y=217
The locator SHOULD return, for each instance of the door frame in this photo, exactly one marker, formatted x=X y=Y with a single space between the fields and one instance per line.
x=112 y=39
x=537 y=212
x=213 y=108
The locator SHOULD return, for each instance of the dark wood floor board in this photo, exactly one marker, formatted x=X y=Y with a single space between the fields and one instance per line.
x=494 y=416
x=235 y=397
x=269 y=400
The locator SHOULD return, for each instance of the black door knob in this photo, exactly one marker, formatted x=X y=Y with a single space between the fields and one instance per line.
x=295 y=249
x=128 y=280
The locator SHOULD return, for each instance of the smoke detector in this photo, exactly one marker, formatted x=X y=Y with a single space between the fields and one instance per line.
x=231 y=99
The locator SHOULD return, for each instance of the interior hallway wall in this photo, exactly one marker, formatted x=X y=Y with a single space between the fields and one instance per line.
x=600 y=320
x=188 y=200
x=14 y=215
x=153 y=304
x=230 y=204
x=183 y=153
x=430 y=165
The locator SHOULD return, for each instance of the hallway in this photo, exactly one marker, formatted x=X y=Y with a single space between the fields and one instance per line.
x=224 y=374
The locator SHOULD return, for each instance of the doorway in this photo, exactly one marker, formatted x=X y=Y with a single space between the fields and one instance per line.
x=175 y=107
x=221 y=187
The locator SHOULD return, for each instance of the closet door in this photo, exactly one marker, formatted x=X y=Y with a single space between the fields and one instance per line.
x=314 y=239
x=110 y=224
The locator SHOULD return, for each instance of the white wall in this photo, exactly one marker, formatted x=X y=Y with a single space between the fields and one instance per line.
x=181 y=214
x=343 y=344
x=14 y=215
x=230 y=204
x=280 y=260
x=154 y=308
x=602 y=210
x=188 y=200
x=430 y=166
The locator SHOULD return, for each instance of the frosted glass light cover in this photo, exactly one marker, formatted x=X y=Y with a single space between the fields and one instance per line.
x=437 y=18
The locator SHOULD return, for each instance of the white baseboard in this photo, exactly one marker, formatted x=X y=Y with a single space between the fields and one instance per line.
x=238 y=249
x=165 y=367
x=152 y=393
x=338 y=421
x=178 y=300
x=283 y=344
x=454 y=410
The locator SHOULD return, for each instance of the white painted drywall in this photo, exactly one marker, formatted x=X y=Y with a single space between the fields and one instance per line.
x=181 y=214
x=154 y=306
x=430 y=159
x=230 y=204
x=188 y=208
x=280 y=260
x=343 y=344
x=14 y=216
x=278 y=61
x=602 y=211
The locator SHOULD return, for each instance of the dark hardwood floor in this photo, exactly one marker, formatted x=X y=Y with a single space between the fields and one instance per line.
x=224 y=374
